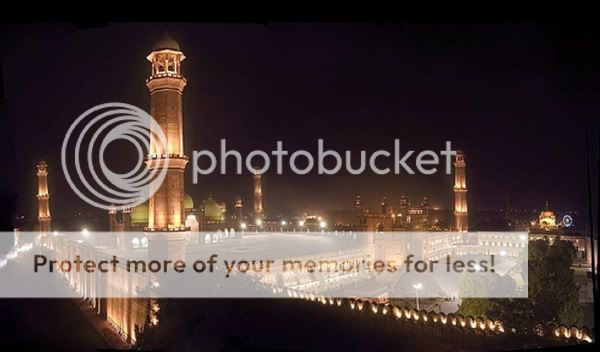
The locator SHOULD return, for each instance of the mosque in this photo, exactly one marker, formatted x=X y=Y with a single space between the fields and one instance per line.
x=171 y=208
x=169 y=216
x=210 y=215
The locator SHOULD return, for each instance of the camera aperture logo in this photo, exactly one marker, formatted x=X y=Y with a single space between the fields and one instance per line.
x=83 y=156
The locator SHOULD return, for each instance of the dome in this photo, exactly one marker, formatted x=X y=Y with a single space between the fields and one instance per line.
x=547 y=217
x=547 y=212
x=212 y=210
x=139 y=214
x=188 y=202
x=166 y=42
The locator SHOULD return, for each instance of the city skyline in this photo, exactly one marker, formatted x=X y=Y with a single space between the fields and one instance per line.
x=219 y=105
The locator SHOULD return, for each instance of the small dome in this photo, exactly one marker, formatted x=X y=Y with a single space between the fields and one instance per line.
x=166 y=42
x=212 y=210
x=547 y=213
x=139 y=214
x=188 y=202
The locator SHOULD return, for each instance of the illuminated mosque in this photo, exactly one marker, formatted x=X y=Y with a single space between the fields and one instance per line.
x=177 y=210
x=169 y=216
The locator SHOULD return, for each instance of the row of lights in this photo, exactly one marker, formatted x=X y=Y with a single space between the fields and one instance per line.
x=403 y=313
x=259 y=222
x=170 y=155
x=582 y=334
x=15 y=253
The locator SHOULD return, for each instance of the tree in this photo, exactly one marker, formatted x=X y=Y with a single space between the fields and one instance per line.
x=553 y=295
x=482 y=285
x=471 y=286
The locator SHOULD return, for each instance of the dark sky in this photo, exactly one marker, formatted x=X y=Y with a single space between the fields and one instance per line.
x=514 y=97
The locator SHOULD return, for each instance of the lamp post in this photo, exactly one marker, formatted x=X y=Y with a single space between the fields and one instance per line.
x=418 y=286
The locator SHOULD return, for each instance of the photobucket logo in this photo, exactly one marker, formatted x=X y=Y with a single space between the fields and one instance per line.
x=83 y=153
x=327 y=161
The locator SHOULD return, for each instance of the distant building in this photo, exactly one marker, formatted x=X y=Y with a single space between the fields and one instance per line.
x=547 y=227
x=403 y=217
x=547 y=219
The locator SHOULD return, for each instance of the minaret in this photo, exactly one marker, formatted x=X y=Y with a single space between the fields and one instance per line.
x=507 y=207
x=461 y=215
x=165 y=207
x=238 y=209
x=126 y=219
x=43 y=197
x=119 y=220
x=383 y=206
x=258 y=197
x=113 y=220
x=426 y=212
x=357 y=205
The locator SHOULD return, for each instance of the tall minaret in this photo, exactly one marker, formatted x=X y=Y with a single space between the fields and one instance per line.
x=461 y=215
x=165 y=207
x=258 y=197
x=43 y=197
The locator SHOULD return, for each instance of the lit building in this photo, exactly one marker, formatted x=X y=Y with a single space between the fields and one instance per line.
x=415 y=217
x=44 y=217
x=547 y=219
x=547 y=227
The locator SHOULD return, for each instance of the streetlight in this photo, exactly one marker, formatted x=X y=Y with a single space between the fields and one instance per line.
x=243 y=225
x=85 y=232
x=418 y=286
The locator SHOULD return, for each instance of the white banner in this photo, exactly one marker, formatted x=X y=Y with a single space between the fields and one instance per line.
x=271 y=264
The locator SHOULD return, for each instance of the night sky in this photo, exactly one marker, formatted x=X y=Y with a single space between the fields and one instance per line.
x=515 y=97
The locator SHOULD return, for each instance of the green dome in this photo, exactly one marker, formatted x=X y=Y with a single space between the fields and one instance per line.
x=139 y=214
x=212 y=210
x=188 y=202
